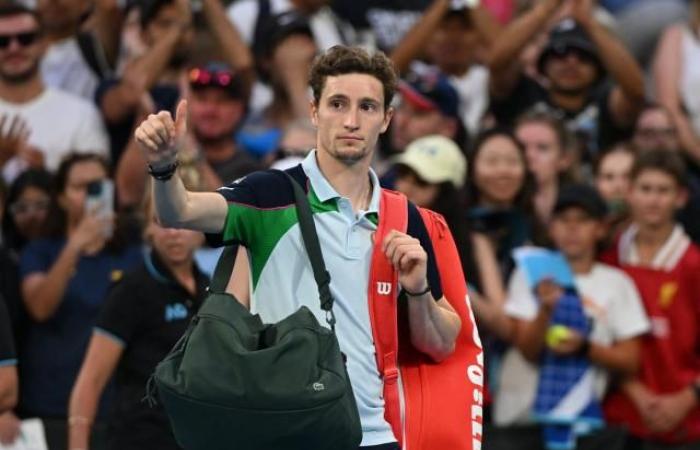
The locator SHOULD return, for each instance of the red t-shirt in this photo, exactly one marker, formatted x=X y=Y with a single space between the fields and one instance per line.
x=670 y=358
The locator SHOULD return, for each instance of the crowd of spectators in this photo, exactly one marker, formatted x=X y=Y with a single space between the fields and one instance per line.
x=567 y=124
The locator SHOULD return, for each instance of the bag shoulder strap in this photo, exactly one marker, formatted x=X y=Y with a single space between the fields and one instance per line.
x=93 y=54
x=224 y=267
x=383 y=297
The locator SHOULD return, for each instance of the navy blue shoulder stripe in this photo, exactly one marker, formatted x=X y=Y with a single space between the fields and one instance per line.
x=265 y=189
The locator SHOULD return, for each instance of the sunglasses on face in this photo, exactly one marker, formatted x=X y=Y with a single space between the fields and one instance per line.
x=563 y=52
x=23 y=39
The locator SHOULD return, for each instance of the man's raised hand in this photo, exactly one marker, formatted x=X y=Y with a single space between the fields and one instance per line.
x=159 y=136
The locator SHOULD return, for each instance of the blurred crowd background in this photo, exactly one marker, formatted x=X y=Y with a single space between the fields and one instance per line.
x=521 y=121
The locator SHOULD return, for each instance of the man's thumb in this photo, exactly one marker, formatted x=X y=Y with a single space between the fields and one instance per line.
x=181 y=119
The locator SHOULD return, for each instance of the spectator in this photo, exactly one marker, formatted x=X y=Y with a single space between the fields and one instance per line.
x=65 y=278
x=612 y=180
x=151 y=81
x=298 y=139
x=655 y=130
x=579 y=54
x=451 y=39
x=26 y=210
x=500 y=195
x=660 y=404
x=610 y=303
x=676 y=80
x=284 y=60
x=429 y=105
x=59 y=122
x=549 y=157
x=83 y=43
x=431 y=173
x=140 y=321
x=250 y=17
x=8 y=365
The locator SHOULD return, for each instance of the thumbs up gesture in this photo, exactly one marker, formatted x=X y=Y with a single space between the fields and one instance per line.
x=160 y=137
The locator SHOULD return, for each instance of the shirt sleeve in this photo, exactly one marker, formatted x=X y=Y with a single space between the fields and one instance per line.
x=91 y=135
x=35 y=258
x=121 y=312
x=521 y=302
x=7 y=348
x=628 y=317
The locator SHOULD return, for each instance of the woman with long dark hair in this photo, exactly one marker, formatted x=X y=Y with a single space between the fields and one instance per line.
x=65 y=278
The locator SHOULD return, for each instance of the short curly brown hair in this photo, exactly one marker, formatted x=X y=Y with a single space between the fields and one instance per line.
x=342 y=60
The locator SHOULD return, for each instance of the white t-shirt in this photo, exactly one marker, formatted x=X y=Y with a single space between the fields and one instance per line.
x=60 y=123
x=63 y=67
x=609 y=298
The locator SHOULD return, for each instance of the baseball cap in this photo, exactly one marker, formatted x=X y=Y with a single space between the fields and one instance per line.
x=435 y=159
x=581 y=196
x=430 y=91
x=216 y=74
x=277 y=27
x=567 y=35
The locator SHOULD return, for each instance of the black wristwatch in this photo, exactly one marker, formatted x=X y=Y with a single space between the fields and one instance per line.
x=165 y=173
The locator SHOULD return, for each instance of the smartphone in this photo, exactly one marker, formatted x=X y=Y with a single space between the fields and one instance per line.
x=100 y=199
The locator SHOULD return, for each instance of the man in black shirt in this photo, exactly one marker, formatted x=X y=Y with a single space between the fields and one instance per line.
x=8 y=363
x=573 y=64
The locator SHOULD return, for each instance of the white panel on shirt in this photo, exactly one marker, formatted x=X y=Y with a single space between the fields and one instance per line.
x=60 y=123
x=609 y=297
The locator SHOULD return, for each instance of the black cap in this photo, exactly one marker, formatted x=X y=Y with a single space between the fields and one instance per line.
x=568 y=34
x=276 y=28
x=581 y=196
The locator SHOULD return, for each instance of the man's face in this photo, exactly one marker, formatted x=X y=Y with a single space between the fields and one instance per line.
x=655 y=131
x=452 y=45
x=61 y=15
x=412 y=123
x=213 y=114
x=350 y=116
x=19 y=59
x=654 y=198
x=575 y=233
x=571 y=71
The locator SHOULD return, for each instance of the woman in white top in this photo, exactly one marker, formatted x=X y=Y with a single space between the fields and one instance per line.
x=677 y=79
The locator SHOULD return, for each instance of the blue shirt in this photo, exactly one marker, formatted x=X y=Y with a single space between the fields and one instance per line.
x=53 y=351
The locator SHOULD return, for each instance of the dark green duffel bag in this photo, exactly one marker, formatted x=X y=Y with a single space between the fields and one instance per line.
x=234 y=383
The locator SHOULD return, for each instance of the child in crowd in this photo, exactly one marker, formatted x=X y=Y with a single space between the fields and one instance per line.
x=660 y=403
x=607 y=300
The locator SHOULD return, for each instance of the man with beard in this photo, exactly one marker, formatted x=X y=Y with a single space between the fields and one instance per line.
x=44 y=123
x=579 y=54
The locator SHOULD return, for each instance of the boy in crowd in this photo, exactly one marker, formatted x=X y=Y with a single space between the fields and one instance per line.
x=660 y=404
x=608 y=301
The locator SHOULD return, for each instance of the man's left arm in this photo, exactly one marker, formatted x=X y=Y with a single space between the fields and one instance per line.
x=627 y=98
x=433 y=323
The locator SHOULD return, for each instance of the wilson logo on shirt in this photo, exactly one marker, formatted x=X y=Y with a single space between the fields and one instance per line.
x=176 y=311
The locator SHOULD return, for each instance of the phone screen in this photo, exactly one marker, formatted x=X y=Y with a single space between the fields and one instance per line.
x=100 y=200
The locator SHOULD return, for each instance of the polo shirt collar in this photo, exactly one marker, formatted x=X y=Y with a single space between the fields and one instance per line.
x=323 y=189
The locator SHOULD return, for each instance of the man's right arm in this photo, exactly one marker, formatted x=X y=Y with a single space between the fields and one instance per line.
x=159 y=136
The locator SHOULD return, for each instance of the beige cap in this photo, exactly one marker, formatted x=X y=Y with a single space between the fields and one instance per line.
x=435 y=159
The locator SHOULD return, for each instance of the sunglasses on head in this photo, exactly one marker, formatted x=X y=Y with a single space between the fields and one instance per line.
x=200 y=77
x=23 y=39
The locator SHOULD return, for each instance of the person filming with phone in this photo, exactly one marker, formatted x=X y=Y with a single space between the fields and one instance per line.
x=65 y=277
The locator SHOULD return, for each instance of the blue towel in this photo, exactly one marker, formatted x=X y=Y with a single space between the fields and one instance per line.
x=566 y=404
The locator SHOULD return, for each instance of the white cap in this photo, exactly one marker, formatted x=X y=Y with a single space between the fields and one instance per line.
x=435 y=159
